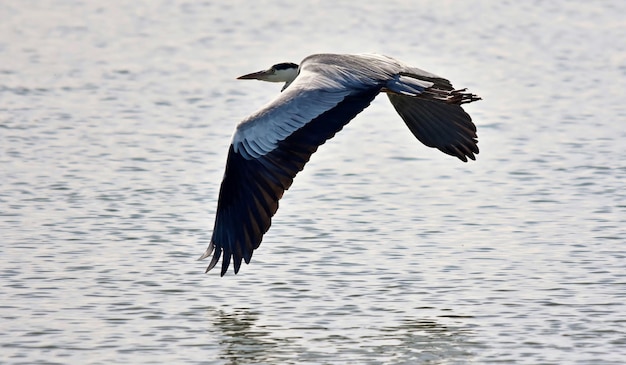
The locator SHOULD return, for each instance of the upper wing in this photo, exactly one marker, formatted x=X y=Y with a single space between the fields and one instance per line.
x=269 y=149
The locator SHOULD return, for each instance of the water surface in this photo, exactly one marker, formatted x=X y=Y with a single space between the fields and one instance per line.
x=115 y=120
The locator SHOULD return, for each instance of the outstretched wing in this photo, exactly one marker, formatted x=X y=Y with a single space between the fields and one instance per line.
x=269 y=149
x=432 y=110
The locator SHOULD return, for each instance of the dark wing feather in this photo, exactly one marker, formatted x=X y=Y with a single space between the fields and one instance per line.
x=251 y=187
x=438 y=123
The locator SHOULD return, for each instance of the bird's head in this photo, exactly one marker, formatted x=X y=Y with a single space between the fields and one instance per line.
x=281 y=72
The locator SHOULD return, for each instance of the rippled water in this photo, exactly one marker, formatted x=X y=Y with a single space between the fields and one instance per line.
x=115 y=118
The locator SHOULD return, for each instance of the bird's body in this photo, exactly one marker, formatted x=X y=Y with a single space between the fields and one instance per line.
x=320 y=96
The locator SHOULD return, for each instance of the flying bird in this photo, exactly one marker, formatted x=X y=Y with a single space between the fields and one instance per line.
x=320 y=96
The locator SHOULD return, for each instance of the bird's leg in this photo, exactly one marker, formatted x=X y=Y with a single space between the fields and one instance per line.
x=459 y=96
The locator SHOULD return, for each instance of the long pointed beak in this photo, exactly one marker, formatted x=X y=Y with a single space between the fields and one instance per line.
x=254 y=76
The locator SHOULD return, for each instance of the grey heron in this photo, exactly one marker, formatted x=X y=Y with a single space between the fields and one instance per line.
x=319 y=98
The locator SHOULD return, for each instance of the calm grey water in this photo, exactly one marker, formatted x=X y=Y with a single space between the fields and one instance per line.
x=115 y=118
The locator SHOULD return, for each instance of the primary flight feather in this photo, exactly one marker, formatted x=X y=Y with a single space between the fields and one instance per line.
x=319 y=97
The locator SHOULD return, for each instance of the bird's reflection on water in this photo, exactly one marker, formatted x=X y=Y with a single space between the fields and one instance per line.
x=243 y=340
x=424 y=341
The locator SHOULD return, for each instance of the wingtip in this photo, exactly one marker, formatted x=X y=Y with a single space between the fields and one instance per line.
x=214 y=260
x=467 y=156
x=208 y=252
